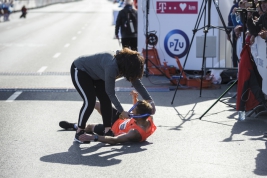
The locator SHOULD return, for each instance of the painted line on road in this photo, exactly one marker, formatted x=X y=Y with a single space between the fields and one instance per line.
x=42 y=69
x=67 y=45
x=14 y=96
x=74 y=38
x=79 y=32
x=56 y=55
x=72 y=89
x=22 y=44
x=32 y=73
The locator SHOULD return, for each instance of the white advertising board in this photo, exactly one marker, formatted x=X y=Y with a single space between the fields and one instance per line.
x=259 y=52
x=173 y=22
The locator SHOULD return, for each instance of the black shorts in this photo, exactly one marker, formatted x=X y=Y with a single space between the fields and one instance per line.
x=99 y=129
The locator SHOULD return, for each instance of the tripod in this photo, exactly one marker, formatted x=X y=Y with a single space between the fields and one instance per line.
x=147 y=41
x=243 y=13
x=206 y=10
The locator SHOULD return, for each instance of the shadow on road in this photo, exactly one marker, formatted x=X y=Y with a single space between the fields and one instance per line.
x=86 y=156
x=261 y=162
x=254 y=128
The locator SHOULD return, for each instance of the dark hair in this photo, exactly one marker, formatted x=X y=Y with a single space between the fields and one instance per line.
x=130 y=63
x=143 y=107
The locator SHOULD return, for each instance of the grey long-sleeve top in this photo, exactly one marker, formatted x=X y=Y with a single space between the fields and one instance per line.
x=104 y=66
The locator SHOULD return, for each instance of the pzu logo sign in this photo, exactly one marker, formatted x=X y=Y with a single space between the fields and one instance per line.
x=176 y=43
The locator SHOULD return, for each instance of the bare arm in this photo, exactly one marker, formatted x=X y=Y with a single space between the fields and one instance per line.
x=134 y=96
x=132 y=136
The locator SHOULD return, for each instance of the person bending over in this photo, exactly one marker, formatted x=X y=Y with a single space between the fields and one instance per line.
x=95 y=75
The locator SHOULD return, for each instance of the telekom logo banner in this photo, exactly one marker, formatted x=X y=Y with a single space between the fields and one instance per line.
x=178 y=7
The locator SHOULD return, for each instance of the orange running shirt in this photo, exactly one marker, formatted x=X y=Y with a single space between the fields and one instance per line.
x=122 y=126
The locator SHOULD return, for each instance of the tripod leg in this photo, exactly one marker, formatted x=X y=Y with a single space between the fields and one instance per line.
x=146 y=61
x=218 y=99
x=203 y=58
x=206 y=30
x=202 y=10
x=181 y=72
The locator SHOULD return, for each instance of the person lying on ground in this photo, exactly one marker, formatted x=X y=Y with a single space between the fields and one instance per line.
x=136 y=129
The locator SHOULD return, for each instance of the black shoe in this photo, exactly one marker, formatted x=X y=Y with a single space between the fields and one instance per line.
x=66 y=125
x=109 y=133
x=77 y=135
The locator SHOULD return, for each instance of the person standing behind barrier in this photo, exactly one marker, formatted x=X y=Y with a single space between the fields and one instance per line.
x=262 y=21
x=5 y=10
x=95 y=75
x=1 y=11
x=23 y=11
x=128 y=31
x=230 y=23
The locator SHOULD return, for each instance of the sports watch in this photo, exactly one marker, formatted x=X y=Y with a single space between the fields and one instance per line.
x=96 y=138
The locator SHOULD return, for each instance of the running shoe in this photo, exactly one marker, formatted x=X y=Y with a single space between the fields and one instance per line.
x=66 y=125
x=77 y=135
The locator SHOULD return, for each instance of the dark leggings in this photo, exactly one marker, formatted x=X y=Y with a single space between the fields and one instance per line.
x=129 y=42
x=99 y=128
x=89 y=89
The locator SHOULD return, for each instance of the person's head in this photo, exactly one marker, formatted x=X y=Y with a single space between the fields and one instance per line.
x=241 y=4
x=143 y=107
x=259 y=9
x=263 y=4
x=128 y=2
x=130 y=63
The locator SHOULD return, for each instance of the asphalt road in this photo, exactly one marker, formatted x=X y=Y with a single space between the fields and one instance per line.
x=36 y=93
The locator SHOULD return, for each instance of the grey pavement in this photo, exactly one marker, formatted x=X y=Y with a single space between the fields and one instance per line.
x=33 y=145
x=182 y=146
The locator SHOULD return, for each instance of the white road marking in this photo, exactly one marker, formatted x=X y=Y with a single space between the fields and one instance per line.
x=42 y=69
x=21 y=45
x=79 y=32
x=14 y=96
x=83 y=28
x=67 y=45
x=74 y=38
x=56 y=55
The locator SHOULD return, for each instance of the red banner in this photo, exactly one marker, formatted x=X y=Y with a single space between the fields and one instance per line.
x=178 y=7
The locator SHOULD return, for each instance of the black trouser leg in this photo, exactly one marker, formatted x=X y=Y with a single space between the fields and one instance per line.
x=129 y=43
x=84 y=84
x=99 y=129
x=105 y=103
x=235 y=57
x=133 y=43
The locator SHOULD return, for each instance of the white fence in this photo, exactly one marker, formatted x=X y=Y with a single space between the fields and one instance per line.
x=17 y=4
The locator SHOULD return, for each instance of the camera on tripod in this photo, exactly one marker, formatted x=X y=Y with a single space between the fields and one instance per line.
x=249 y=4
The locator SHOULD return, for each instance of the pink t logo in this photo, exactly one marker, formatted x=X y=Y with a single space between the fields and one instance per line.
x=162 y=6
